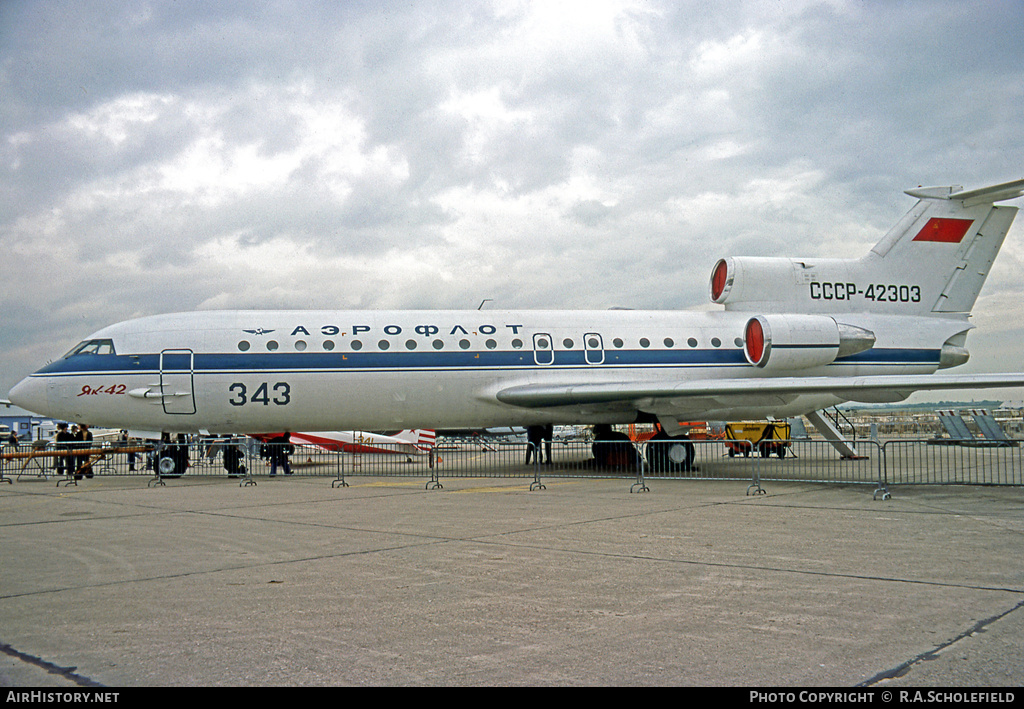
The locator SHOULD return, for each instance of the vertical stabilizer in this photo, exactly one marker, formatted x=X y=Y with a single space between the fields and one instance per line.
x=933 y=262
x=943 y=249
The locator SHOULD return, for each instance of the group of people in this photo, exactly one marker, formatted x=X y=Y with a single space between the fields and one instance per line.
x=68 y=440
x=71 y=441
x=278 y=450
x=78 y=438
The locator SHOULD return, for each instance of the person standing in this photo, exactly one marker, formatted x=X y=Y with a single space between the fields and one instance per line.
x=63 y=442
x=280 y=449
x=82 y=464
x=125 y=442
x=233 y=458
x=534 y=438
x=548 y=434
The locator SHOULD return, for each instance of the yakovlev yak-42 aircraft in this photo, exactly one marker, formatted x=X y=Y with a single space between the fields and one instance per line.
x=794 y=336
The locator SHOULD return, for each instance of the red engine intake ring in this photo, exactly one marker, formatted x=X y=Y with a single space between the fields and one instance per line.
x=753 y=342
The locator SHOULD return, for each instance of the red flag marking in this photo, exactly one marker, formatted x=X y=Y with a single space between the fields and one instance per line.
x=945 y=230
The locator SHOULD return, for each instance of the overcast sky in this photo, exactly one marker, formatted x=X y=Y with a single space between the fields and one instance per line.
x=167 y=156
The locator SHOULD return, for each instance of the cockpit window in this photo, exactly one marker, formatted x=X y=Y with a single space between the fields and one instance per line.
x=101 y=347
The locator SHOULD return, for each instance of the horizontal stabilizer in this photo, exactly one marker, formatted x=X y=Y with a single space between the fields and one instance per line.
x=982 y=195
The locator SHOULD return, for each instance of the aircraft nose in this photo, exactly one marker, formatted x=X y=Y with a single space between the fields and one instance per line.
x=29 y=394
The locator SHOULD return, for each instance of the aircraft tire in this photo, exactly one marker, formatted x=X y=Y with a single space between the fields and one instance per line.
x=669 y=455
x=168 y=467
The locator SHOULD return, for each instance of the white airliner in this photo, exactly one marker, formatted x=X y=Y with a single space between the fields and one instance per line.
x=794 y=336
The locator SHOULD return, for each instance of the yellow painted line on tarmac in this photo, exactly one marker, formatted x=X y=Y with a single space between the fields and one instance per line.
x=506 y=488
x=391 y=483
x=483 y=488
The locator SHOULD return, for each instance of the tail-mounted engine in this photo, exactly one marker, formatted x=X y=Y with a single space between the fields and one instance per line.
x=784 y=285
x=784 y=342
x=751 y=279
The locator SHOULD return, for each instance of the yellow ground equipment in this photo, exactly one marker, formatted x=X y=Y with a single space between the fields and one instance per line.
x=765 y=437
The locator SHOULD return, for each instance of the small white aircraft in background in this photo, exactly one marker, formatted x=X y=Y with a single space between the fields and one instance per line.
x=793 y=337
x=416 y=441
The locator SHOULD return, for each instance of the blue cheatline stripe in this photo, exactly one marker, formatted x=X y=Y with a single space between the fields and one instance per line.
x=437 y=361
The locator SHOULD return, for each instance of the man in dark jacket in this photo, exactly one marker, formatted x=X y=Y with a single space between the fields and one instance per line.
x=233 y=458
x=82 y=465
x=63 y=442
x=280 y=449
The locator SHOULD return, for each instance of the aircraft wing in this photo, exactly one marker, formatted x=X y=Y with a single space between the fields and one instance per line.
x=865 y=388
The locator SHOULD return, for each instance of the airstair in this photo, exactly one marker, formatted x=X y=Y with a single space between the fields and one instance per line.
x=960 y=434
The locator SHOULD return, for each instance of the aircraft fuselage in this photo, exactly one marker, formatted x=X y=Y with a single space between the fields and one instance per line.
x=262 y=371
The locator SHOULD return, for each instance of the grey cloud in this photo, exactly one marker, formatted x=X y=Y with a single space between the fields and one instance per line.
x=395 y=155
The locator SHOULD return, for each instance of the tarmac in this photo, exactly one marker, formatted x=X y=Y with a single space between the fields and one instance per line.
x=292 y=582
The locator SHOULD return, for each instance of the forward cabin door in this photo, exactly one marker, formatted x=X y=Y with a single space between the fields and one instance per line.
x=177 y=381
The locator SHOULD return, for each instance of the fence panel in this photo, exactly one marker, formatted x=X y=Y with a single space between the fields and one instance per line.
x=933 y=462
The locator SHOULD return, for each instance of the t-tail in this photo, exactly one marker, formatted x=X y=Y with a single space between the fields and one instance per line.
x=933 y=262
x=422 y=439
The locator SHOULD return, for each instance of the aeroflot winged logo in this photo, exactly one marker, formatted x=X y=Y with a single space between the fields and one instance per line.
x=944 y=230
x=258 y=331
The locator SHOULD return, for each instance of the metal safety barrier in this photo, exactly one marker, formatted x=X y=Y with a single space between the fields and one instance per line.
x=941 y=462
x=895 y=462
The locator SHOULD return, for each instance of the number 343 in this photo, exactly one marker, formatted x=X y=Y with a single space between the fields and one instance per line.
x=266 y=394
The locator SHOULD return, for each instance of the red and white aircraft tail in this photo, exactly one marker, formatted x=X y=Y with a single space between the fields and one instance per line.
x=417 y=441
x=933 y=262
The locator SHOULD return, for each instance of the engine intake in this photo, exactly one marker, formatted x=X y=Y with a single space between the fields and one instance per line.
x=750 y=279
x=786 y=342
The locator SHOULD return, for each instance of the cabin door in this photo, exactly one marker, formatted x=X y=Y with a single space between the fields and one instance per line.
x=593 y=348
x=177 y=381
x=543 y=349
